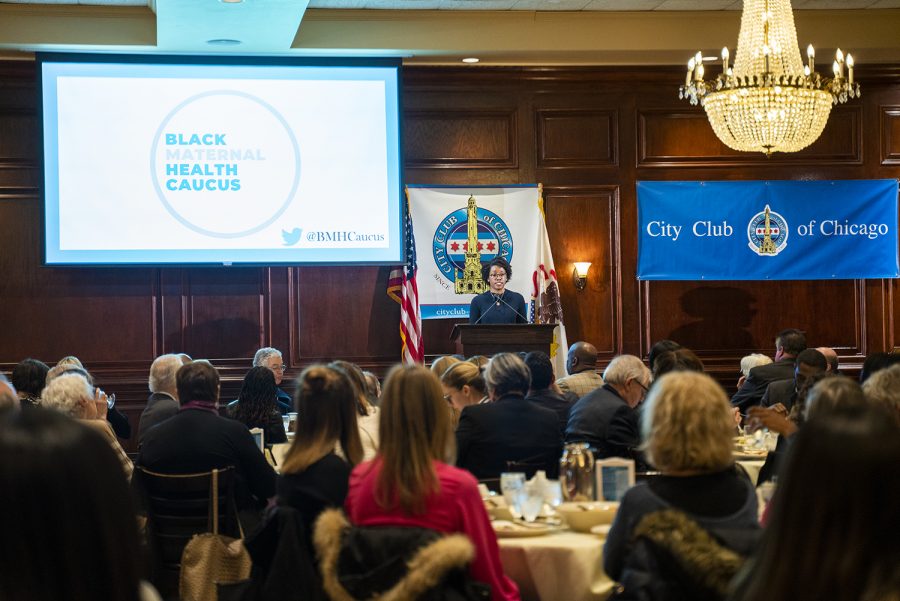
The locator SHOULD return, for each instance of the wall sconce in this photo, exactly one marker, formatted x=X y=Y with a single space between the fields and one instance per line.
x=579 y=276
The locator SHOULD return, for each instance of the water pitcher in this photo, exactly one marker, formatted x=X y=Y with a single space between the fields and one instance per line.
x=576 y=472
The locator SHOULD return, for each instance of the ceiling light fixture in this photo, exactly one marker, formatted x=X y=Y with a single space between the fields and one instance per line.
x=770 y=102
x=223 y=42
x=471 y=60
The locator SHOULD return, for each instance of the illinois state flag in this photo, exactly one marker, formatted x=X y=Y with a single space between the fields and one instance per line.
x=509 y=223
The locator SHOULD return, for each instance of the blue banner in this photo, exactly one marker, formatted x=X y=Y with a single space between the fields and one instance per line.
x=778 y=230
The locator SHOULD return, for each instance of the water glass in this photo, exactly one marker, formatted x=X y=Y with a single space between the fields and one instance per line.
x=512 y=485
x=531 y=503
x=286 y=422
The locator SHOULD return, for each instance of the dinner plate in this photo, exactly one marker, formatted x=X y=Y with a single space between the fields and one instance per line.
x=507 y=529
x=601 y=530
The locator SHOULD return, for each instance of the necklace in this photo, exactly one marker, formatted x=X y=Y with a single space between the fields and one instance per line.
x=497 y=297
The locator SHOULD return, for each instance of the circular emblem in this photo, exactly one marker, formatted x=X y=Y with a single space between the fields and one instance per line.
x=767 y=233
x=451 y=241
x=225 y=164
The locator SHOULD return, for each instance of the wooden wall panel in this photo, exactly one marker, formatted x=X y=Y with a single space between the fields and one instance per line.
x=480 y=139
x=569 y=138
x=890 y=135
x=683 y=137
x=582 y=223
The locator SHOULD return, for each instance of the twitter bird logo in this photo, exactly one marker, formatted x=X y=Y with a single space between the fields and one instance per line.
x=292 y=237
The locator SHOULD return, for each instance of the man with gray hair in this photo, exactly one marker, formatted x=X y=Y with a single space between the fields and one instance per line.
x=606 y=418
x=509 y=431
x=271 y=359
x=163 y=401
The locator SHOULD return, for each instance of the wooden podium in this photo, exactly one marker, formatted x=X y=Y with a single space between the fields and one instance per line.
x=490 y=339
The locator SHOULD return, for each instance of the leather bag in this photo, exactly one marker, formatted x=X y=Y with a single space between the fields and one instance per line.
x=212 y=558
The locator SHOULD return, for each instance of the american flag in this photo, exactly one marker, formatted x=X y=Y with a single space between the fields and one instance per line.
x=403 y=289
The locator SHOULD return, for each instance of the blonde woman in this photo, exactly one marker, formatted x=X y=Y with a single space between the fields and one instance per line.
x=411 y=483
x=700 y=511
x=464 y=385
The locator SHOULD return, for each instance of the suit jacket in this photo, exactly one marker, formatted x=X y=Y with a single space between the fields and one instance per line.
x=559 y=404
x=508 y=429
x=197 y=440
x=751 y=393
x=605 y=421
x=160 y=407
x=581 y=383
x=780 y=391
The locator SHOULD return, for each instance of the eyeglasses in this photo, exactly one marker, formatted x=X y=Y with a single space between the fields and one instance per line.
x=278 y=367
x=447 y=397
x=644 y=388
x=497 y=275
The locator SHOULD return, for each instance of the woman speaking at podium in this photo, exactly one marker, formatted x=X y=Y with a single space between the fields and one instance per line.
x=498 y=305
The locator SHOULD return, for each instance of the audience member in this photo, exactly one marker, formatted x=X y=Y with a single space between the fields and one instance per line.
x=660 y=347
x=543 y=391
x=373 y=388
x=581 y=365
x=118 y=420
x=876 y=362
x=831 y=357
x=680 y=359
x=410 y=484
x=29 y=378
x=271 y=359
x=699 y=512
x=832 y=394
x=440 y=364
x=478 y=360
x=750 y=361
x=72 y=395
x=313 y=477
x=9 y=400
x=784 y=392
x=256 y=407
x=788 y=344
x=883 y=387
x=67 y=514
x=464 y=385
x=838 y=493
x=508 y=429
x=606 y=418
x=367 y=419
x=197 y=439
x=163 y=401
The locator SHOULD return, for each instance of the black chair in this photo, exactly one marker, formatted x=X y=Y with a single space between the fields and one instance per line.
x=178 y=507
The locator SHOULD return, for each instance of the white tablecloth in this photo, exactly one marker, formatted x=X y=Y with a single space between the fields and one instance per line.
x=562 y=566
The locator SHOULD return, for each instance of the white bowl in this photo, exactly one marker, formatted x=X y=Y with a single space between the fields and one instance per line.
x=581 y=517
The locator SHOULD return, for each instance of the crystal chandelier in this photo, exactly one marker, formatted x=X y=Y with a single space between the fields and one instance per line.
x=770 y=102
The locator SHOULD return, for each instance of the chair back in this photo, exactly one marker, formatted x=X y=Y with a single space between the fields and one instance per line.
x=178 y=507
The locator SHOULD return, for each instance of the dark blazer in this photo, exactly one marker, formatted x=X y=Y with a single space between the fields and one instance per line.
x=751 y=393
x=559 y=404
x=160 y=407
x=119 y=422
x=780 y=391
x=484 y=308
x=283 y=402
x=603 y=419
x=197 y=440
x=508 y=429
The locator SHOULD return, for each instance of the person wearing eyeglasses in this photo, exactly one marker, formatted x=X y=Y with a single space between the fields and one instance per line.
x=271 y=359
x=607 y=418
x=498 y=305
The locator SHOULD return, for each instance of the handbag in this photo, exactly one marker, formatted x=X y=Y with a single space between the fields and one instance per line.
x=212 y=558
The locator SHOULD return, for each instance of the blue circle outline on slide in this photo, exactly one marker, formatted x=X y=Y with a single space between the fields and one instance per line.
x=195 y=227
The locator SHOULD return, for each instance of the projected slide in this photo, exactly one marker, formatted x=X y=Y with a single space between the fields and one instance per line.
x=186 y=163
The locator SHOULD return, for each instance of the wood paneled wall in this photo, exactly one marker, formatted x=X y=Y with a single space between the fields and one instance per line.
x=586 y=134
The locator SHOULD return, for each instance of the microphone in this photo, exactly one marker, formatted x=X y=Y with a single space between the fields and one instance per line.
x=485 y=313
x=500 y=298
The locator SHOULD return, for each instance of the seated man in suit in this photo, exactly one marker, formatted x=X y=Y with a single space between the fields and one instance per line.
x=163 y=401
x=271 y=359
x=788 y=344
x=509 y=428
x=197 y=439
x=581 y=363
x=607 y=418
x=784 y=392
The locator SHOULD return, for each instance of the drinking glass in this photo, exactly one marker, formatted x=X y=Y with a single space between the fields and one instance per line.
x=512 y=485
x=286 y=422
x=531 y=502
